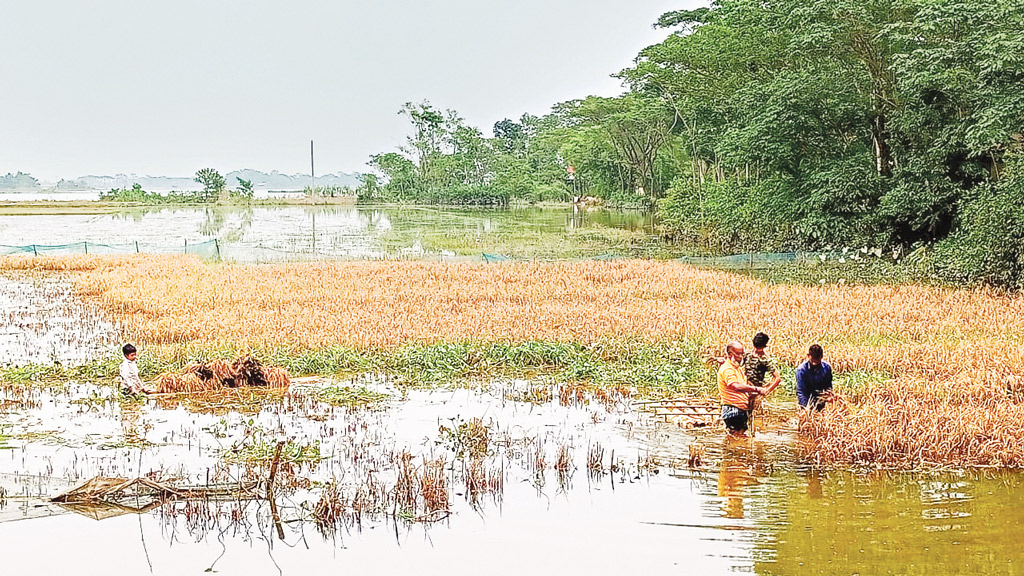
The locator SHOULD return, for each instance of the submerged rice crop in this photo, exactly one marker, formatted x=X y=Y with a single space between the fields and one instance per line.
x=955 y=358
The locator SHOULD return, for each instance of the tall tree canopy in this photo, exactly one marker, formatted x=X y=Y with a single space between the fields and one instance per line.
x=779 y=124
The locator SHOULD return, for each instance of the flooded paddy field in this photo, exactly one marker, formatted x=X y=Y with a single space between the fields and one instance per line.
x=43 y=322
x=499 y=475
x=519 y=481
x=280 y=233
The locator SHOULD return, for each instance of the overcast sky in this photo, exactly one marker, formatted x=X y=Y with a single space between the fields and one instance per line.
x=168 y=87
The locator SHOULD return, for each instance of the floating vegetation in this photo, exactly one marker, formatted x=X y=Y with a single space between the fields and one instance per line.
x=47 y=437
x=466 y=439
x=348 y=396
x=582 y=393
x=104 y=497
x=222 y=401
x=537 y=394
x=97 y=401
x=259 y=447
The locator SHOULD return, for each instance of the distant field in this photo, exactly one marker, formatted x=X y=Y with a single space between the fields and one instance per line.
x=58 y=207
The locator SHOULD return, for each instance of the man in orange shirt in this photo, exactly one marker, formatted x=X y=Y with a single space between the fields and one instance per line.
x=735 y=391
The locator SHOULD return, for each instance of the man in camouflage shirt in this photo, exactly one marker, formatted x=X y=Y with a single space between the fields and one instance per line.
x=756 y=366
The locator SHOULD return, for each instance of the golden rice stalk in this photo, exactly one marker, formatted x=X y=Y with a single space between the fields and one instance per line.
x=242 y=372
x=276 y=377
x=192 y=368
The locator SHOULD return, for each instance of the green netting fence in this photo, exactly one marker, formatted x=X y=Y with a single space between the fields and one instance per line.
x=215 y=250
x=205 y=249
x=753 y=260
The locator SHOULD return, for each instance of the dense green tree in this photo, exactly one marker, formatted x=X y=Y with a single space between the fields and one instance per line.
x=511 y=137
x=245 y=189
x=637 y=129
x=213 y=183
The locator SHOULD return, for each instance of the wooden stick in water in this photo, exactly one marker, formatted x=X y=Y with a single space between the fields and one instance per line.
x=270 y=489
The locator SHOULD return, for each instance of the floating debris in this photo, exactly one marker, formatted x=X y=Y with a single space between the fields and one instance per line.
x=103 y=497
x=687 y=412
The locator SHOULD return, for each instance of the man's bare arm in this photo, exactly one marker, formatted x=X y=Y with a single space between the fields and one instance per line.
x=745 y=387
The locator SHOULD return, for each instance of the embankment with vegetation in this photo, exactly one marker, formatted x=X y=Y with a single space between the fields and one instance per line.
x=930 y=376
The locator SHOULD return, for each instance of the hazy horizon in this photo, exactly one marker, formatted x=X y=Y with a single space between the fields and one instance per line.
x=118 y=87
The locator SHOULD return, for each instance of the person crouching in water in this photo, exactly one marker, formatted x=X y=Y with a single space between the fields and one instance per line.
x=131 y=384
x=736 y=393
x=814 y=380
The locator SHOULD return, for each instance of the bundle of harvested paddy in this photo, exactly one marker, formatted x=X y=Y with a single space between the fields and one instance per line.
x=187 y=383
x=244 y=371
x=248 y=372
x=221 y=371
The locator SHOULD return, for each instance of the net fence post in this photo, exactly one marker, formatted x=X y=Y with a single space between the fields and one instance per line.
x=34 y=251
x=86 y=246
x=136 y=246
x=216 y=244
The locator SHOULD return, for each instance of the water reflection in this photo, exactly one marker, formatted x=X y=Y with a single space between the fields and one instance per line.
x=841 y=522
x=271 y=233
x=736 y=473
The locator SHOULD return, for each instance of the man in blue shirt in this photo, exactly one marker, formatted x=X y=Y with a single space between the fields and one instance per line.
x=813 y=379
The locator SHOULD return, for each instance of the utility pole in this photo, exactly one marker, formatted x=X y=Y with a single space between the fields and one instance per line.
x=312 y=175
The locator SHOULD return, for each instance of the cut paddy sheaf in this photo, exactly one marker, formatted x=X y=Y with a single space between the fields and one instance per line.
x=935 y=375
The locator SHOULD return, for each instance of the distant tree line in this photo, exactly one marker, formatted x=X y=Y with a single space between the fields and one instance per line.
x=788 y=124
x=608 y=148
x=215 y=188
x=18 y=181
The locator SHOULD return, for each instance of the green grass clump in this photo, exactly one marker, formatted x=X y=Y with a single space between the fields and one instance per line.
x=649 y=368
x=259 y=447
x=671 y=365
x=470 y=438
x=349 y=396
